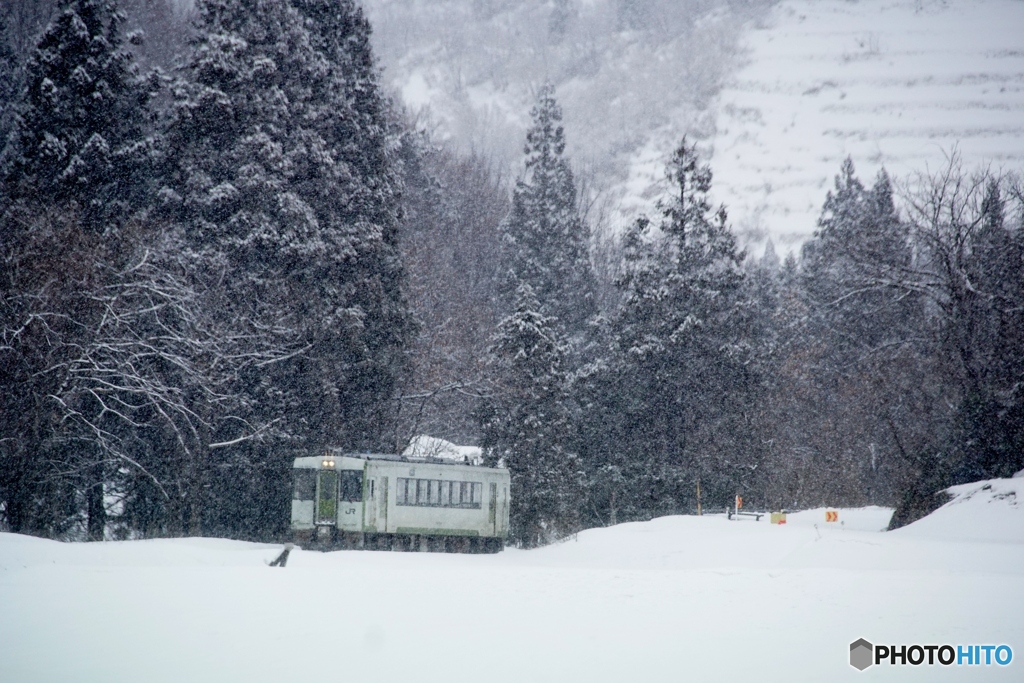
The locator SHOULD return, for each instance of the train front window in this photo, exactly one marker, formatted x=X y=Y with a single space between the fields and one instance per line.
x=305 y=485
x=352 y=486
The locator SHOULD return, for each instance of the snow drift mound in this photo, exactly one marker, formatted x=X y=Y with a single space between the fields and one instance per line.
x=22 y=552
x=424 y=446
x=981 y=511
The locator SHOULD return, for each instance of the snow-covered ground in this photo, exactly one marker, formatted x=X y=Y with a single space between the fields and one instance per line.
x=674 y=599
x=894 y=83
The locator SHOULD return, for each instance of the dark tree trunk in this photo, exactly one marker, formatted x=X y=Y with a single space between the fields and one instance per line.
x=95 y=506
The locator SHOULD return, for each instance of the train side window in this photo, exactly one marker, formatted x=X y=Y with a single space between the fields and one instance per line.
x=352 y=486
x=439 y=493
x=305 y=485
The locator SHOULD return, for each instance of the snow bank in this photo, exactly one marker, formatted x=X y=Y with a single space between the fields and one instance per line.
x=26 y=551
x=988 y=511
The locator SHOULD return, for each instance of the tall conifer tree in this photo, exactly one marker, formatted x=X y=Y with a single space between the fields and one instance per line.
x=281 y=172
x=546 y=242
x=679 y=380
x=74 y=173
x=853 y=265
x=527 y=427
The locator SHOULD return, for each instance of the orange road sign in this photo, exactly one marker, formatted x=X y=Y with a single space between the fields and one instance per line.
x=831 y=515
x=739 y=502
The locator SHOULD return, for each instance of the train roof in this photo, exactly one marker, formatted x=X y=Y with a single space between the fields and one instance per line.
x=418 y=459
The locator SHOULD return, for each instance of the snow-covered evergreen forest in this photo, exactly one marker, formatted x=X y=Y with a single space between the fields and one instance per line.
x=227 y=243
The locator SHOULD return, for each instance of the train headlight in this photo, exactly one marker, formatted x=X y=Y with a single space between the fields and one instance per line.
x=327 y=463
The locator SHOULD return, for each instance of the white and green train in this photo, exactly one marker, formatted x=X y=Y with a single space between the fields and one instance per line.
x=343 y=500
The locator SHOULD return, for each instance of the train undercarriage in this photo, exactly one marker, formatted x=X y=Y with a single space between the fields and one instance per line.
x=327 y=538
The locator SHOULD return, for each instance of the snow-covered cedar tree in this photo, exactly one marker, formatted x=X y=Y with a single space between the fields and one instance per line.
x=872 y=330
x=280 y=169
x=80 y=134
x=527 y=425
x=359 y=209
x=682 y=346
x=836 y=432
x=546 y=243
x=854 y=264
x=74 y=173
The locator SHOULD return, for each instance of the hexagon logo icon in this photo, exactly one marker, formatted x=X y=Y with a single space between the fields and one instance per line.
x=861 y=654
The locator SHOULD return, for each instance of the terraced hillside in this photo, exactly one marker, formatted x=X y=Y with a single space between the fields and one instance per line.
x=899 y=84
x=776 y=93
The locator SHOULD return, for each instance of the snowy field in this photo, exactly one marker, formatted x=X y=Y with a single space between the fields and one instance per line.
x=894 y=83
x=675 y=599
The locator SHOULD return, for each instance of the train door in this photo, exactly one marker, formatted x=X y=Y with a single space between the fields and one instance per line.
x=492 y=511
x=327 y=497
x=384 y=504
x=504 y=510
x=350 y=500
x=371 y=503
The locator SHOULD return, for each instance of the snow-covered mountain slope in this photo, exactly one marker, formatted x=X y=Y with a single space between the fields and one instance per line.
x=893 y=83
x=694 y=598
x=776 y=96
x=629 y=86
